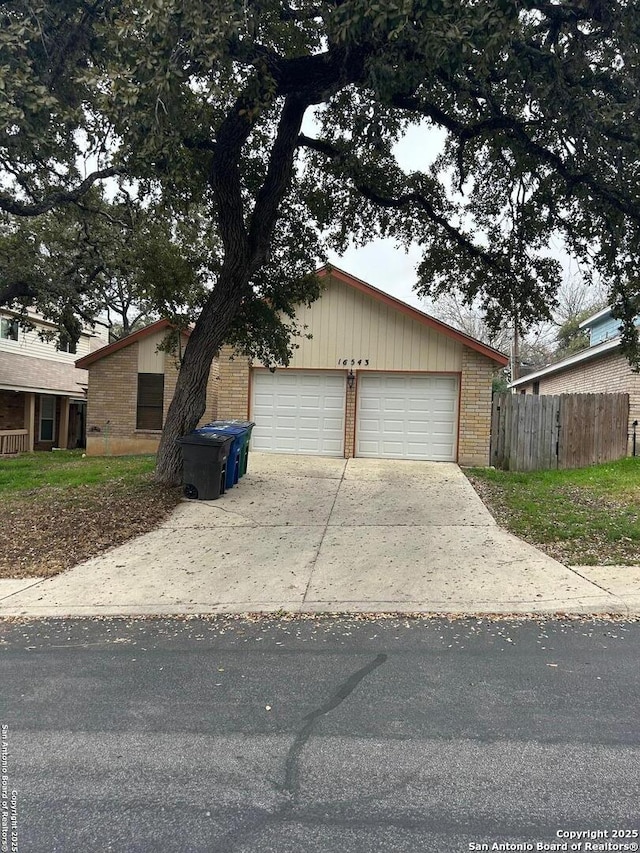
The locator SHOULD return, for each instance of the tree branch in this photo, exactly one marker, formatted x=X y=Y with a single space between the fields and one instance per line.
x=500 y=122
x=18 y=208
x=488 y=259
x=276 y=182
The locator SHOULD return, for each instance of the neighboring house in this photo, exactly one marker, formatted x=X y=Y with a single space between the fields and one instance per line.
x=42 y=393
x=377 y=379
x=131 y=384
x=598 y=369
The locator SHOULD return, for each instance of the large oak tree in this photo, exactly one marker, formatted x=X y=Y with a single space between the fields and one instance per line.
x=203 y=103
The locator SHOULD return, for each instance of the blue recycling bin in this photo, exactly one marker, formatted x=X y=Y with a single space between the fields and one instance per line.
x=238 y=434
x=248 y=426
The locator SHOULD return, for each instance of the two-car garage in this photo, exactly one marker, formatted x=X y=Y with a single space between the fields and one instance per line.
x=403 y=416
x=370 y=376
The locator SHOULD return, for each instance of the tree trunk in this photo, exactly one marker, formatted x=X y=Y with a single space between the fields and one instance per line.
x=190 y=396
x=245 y=252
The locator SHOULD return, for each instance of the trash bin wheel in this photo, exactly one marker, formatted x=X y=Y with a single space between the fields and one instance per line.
x=190 y=491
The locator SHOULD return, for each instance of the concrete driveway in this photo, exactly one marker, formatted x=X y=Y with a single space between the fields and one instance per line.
x=311 y=534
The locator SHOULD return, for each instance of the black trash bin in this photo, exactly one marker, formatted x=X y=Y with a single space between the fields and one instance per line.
x=204 y=464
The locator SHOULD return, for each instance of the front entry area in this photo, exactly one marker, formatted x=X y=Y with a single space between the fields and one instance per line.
x=299 y=411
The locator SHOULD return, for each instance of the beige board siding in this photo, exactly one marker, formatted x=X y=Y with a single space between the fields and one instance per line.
x=150 y=358
x=30 y=343
x=609 y=374
x=347 y=324
x=475 y=408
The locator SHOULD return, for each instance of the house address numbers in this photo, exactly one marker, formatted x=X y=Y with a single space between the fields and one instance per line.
x=352 y=362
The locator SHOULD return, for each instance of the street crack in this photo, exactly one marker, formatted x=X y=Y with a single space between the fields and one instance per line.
x=291 y=773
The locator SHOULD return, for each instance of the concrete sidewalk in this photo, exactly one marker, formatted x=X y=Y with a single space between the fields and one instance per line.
x=311 y=534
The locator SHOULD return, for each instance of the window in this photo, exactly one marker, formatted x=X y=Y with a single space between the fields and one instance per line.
x=150 y=398
x=536 y=388
x=47 y=418
x=65 y=345
x=8 y=329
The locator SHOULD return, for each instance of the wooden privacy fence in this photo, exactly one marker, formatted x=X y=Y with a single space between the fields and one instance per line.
x=531 y=433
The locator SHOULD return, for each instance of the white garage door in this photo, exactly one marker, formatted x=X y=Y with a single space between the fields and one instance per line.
x=405 y=416
x=298 y=411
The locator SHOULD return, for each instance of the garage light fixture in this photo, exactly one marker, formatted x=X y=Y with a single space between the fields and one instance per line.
x=351 y=378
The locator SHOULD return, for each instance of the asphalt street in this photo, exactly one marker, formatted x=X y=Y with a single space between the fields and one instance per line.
x=315 y=735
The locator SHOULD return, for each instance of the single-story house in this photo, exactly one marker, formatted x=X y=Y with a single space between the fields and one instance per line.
x=42 y=393
x=377 y=378
x=600 y=368
x=131 y=384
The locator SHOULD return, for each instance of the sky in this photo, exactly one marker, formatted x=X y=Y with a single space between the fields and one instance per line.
x=384 y=266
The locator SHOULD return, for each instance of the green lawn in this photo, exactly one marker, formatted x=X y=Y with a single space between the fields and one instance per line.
x=68 y=469
x=585 y=516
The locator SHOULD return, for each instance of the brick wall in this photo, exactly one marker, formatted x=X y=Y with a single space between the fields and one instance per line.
x=233 y=387
x=475 y=408
x=111 y=405
x=113 y=398
x=213 y=389
x=609 y=374
x=350 y=421
x=113 y=393
x=12 y=410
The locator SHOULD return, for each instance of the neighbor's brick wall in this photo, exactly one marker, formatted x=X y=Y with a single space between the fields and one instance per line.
x=12 y=410
x=610 y=374
x=233 y=387
x=475 y=408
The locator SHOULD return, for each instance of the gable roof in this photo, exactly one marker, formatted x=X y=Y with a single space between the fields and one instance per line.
x=109 y=349
x=329 y=270
x=599 y=315
x=578 y=358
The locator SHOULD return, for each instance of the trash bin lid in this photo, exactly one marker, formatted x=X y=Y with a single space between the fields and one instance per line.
x=225 y=428
x=205 y=437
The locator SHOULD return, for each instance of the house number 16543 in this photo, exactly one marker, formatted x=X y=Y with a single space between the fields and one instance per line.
x=352 y=362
